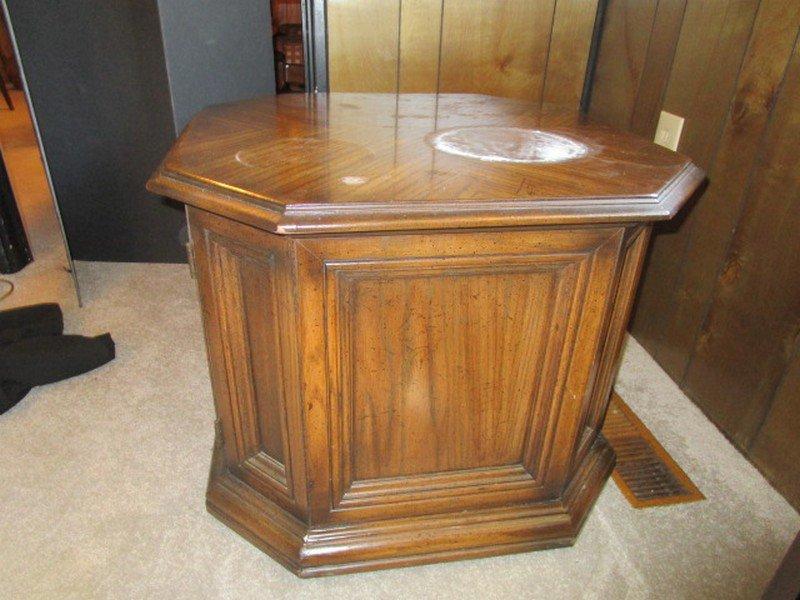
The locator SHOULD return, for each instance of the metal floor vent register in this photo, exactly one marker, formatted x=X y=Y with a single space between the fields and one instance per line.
x=645 y=473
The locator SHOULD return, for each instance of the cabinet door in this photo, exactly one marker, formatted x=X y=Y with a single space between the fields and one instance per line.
x=452 y=363
x=245 y=277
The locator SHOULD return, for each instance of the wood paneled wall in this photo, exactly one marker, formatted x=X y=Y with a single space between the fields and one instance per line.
x=532 y=49
x=719 y=306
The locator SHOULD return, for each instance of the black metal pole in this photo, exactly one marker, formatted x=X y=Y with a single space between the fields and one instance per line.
x=594 y=48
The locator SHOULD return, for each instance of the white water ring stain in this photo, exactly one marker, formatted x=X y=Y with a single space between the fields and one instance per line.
x=353 y=180
x=508 y=144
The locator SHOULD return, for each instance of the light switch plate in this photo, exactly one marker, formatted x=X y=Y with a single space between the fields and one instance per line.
x=668 y=132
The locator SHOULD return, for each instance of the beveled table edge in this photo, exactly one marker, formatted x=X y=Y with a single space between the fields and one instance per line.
x=322 y=218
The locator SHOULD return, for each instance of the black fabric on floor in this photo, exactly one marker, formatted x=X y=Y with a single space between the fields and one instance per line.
x=33 y=351
x=11 y=393
x=28 y=321
x=48 y=358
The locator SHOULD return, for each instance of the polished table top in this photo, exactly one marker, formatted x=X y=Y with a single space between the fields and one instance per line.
x=386 y=161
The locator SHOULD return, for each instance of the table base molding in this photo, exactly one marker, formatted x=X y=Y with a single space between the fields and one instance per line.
x=313 y=552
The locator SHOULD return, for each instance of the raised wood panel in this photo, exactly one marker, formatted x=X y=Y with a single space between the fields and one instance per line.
x=363 y=44
x=630 y=271
x=461 y=368
x=443 y=364
x=754 y=321
x=570 y=40
x=258 y=417
x=244 y=280
x=620 y=60
x=244 y=290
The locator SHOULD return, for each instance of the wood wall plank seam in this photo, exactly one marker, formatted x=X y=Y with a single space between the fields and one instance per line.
x=704 y=82
x=746 y=192
x=747 y=195
x=398 y=65
x=644 y=116
x=591 y=58
x=679 y=273
x=547 y=52
x=439 y=55
x=620 y=60
x=749 y=428
x=644 y=65
x=721 y=131
x=773 y=449
x=719 y=306
x=779 y=382
x=531 y=50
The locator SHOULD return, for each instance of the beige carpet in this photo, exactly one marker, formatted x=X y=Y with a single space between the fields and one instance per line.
x=103 y=478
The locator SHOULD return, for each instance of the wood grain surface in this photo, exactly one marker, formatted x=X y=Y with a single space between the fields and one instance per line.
x=709 y=226
x=303 y=164
x=411 y=351
x=363 y=42
x=661 y=47
x=515 y=48
x=420 y=34
x=495 y=47
x=714 y=308
x=774 y=448
x=570 y=40
x=754 y=320
x=621 y=58
x=701 y=87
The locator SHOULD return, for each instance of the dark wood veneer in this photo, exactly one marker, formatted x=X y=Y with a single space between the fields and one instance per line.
x=413 y=364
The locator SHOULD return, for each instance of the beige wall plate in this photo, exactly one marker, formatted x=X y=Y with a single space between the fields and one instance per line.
x=668 y=132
